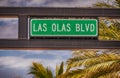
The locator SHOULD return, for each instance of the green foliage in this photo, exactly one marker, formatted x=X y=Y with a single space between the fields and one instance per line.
x=59 y=70
x=39 y=71
x=94 y=64
x=116 y=4
x=112 y=32
x=109 y=33
x=84 y=63
x=103 y=5
x=111 y=75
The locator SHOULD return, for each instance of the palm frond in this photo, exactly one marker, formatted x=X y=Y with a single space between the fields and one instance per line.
x=117 y=3
x=60 y=71
x=49 y=72
x=101 y=69
x=73 y=73
x=111 y=75
x=94 y=64
x=88 y=58
x=108 y=33
x=83 y=51
x=39 y=71
x=103 y=5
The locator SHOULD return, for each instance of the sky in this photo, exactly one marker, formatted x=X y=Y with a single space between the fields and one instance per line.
x=51 y=3
x=8 y=28
x=16 y=63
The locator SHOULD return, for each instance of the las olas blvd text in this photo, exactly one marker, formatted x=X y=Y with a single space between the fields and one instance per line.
x=63 y=27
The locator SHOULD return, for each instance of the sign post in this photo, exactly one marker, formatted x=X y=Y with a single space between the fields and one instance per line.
x=63 y=27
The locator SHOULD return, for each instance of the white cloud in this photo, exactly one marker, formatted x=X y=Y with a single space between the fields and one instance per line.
x=75 y=3
x=34 y=2
x=15 y=62
x=64 y=3
x=8 y=32
x=22 y=63
x=10 y=2
x=10 y=29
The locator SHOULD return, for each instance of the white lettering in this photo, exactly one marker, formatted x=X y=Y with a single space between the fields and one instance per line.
x=68 y=27
x=34 y=29
x=44 y=27
x=53 y=27
x=92 y=27
x=77 y=27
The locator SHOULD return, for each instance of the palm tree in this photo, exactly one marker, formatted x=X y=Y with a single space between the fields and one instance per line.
x=85 y=63
x=94 y=64
x=112 y=32
x=39 y=71
x=116 y=4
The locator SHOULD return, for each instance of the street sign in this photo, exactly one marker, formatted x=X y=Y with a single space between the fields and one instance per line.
x=63 y=27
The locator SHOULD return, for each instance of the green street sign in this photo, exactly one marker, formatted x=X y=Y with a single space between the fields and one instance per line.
x=63 y=27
